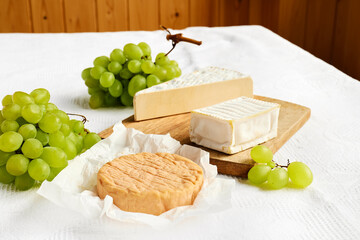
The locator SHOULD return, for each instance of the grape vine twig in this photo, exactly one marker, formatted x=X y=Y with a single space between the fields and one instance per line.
x=84 y=120
x=283 y=166
x=176 y=38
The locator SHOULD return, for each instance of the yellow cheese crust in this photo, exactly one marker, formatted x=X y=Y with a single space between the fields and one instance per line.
x=150 y=183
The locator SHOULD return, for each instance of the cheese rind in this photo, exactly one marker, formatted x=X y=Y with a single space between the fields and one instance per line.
x=150 y=183
x=234 y=125
x=198 y=89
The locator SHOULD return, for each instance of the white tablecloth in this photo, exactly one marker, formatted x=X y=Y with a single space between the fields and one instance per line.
x=329 y=143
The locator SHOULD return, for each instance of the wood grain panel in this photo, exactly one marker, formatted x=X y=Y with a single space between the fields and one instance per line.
x=144 y=14
x=292 y=20
x=234 y=12
x=204 y=13
x=346 y=47
x=47 y=16
x=175 y=13
x=80 y=16
x=265 y=13
x=15 y=16
x=112 y=15
x=319 y=28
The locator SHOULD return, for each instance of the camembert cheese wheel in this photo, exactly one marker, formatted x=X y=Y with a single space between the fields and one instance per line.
x=150 y=183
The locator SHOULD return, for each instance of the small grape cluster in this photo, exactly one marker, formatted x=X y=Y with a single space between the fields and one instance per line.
x=115 y=80
x=276 y=176
x=37 y=139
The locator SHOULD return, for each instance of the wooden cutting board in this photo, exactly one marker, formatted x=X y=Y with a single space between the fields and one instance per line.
x=291 y=118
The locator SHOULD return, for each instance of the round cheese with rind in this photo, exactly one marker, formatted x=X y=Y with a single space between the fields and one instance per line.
x=150 y=183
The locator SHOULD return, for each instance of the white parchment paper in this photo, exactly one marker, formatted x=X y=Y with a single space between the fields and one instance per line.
x=75 y=186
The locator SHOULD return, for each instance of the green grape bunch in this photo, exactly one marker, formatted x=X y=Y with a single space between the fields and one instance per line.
x=37 y=139
x=115 y=80
x=266 y=171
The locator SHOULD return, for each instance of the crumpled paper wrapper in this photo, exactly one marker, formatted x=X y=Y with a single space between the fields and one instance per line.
x=75 y=186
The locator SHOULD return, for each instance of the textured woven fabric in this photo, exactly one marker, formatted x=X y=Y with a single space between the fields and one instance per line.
x=329 y=143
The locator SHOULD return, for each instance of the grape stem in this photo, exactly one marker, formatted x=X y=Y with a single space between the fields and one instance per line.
x=283 y=166
x=176 y=38
x=84 y=120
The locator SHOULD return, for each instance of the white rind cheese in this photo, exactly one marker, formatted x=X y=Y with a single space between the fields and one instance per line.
x=195 y=90
x=234 y=125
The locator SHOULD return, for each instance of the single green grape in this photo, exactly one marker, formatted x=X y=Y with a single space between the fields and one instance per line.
x=65 y=129
x=51 y=107
x=93 y=91
x=70 y=149
x=133 y=51
x=116 y=89
x=152 y=80
x=4 y=156
x=107 y=79
x=261 y=154
x=114 y=67
x=96 y=72
x=32 y=113
x=54 y=156
x=278 y=178
x=148 y=66
x=118 y=56
x=174 y=63
x=7 y=100
x=9 y=125
x=125 y=73
x=50 y=123
x=24 y=182
x=17 y=164
x=79 y=143
x=11 y=111
x=22 y=98
x=5 y=177
x=109 y=100
x=258 y=174
x=27 y=131
x=160 y=72
x=76 y=125
x=162 y=60
x=126 y=99
x=10 y=141
x=137 y=83
x=91 y=139
x=53 y=173
x=57 y=139
x=271 y=164
x=85 y=74
x=42 y=136
x=40 y=96
x=92 y=82
x=300 y=174
x=32 y=148
x=170 y=72
x=102 y=61
x=38 y=169
x=145 y=48
x=177 y=71
x=97 y=100
x=64 y=118
x=134 y=66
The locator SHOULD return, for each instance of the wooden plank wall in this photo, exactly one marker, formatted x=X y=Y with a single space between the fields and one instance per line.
x=326 y=28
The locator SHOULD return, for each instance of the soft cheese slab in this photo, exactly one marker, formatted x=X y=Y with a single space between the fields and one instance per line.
x=234 y=125
x=194 y=90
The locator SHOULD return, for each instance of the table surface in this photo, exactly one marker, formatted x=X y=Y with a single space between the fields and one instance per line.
x=329 y=143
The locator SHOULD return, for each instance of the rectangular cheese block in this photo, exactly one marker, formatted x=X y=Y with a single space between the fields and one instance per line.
x=234 y=125
x=198 y=89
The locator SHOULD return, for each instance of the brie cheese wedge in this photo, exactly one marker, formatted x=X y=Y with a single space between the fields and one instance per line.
x=234 y=125
x=202 y=88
